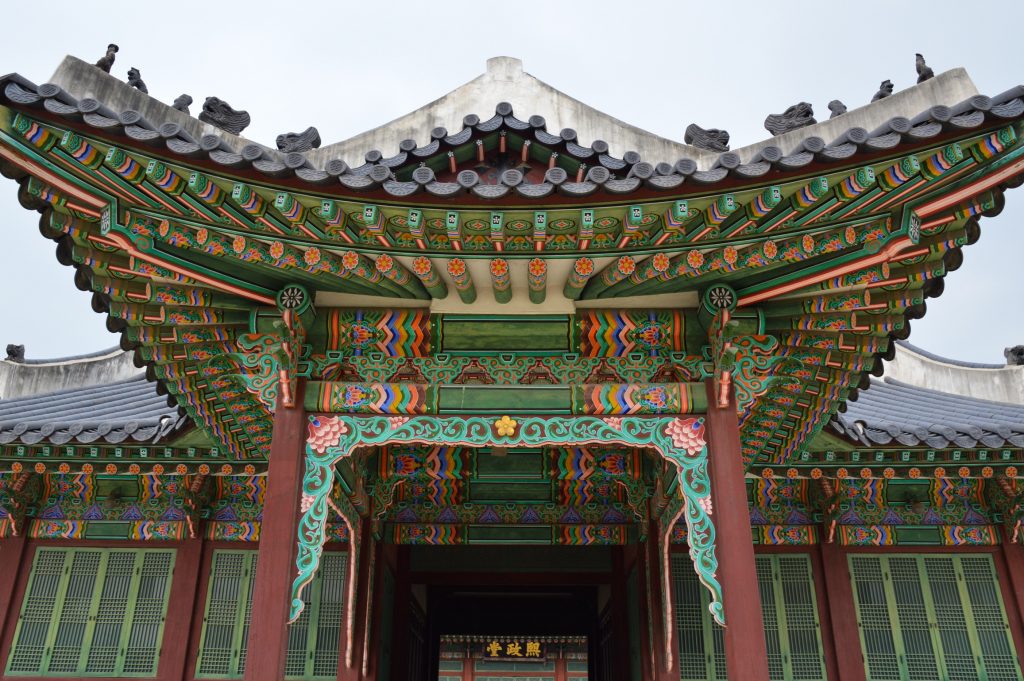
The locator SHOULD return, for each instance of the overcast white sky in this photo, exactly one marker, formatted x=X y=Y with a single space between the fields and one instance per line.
x=347 y=67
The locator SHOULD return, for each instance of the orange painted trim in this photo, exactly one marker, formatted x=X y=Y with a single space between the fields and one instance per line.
x=128 y=247
x=970 y=190
x=883 y=255
x=51 y=178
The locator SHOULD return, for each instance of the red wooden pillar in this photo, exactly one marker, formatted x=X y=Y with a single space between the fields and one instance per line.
x=842 y=613
x=561 y=667
x=746 y=654
x=180 y=604
x=12 y=552
x=1013 y=564
x=467 y=664
x=665 y=635
x=271 y=601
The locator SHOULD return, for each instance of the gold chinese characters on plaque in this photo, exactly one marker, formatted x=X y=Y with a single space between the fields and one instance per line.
x=513 y=649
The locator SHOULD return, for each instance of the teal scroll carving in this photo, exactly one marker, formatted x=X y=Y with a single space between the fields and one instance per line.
x=679 y=440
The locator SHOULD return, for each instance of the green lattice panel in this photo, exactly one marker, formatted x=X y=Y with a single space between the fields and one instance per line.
x=701 y=642
x=791 y=625
x=992 y=631
x=93 y=612
x=312 y=640
x=932 y=617
x=794 y=588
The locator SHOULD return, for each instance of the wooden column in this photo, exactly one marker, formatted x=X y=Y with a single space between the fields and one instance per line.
x=660 y=588
x=354 y=672
x=180 y=604
x=842 y=613
x=271 y=600
x=1013 y=564
x=12 y=552
x=561 y=667
x=746 y=654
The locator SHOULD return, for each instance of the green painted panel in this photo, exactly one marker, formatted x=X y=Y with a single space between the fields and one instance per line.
x=493 y=399
x=918 y=536
x=539 y=534
x=488 y=492
x=514 y=464
x=106 y=530
x=510 y=334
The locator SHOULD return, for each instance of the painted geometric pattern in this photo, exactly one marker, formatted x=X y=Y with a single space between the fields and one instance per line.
x=621 y=332
x=376 y=398
x=395 y=333
x=434 y=475
x=623 y=398
x=492 y=370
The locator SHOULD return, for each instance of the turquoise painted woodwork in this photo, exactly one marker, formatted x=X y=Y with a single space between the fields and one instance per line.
x=680 y=441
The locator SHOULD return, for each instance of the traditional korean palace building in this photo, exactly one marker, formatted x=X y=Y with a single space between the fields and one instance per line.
x=488 y=397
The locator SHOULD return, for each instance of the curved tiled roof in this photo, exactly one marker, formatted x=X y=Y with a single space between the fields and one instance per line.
x=123 y=411
x=405 y=172
x=85 y=356
x=946 y=360
x=892 y=413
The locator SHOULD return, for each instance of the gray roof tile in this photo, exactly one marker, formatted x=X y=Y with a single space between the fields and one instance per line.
x=891 y=412
x=128 y=410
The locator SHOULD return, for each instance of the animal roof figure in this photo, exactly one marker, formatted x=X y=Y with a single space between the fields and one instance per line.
x=107 y=60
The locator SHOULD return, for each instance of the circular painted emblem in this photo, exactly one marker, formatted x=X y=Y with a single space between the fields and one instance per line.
x=292 y=297
x=720 y=297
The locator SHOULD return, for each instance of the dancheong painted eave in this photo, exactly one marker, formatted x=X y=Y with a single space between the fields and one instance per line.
x=823 y=250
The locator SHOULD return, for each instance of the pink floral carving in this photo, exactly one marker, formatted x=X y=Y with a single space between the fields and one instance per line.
x=324 y=432
x=686 y=434
x=307 y=502
x=614 y=422
x=397 y=422
x=705 y=503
